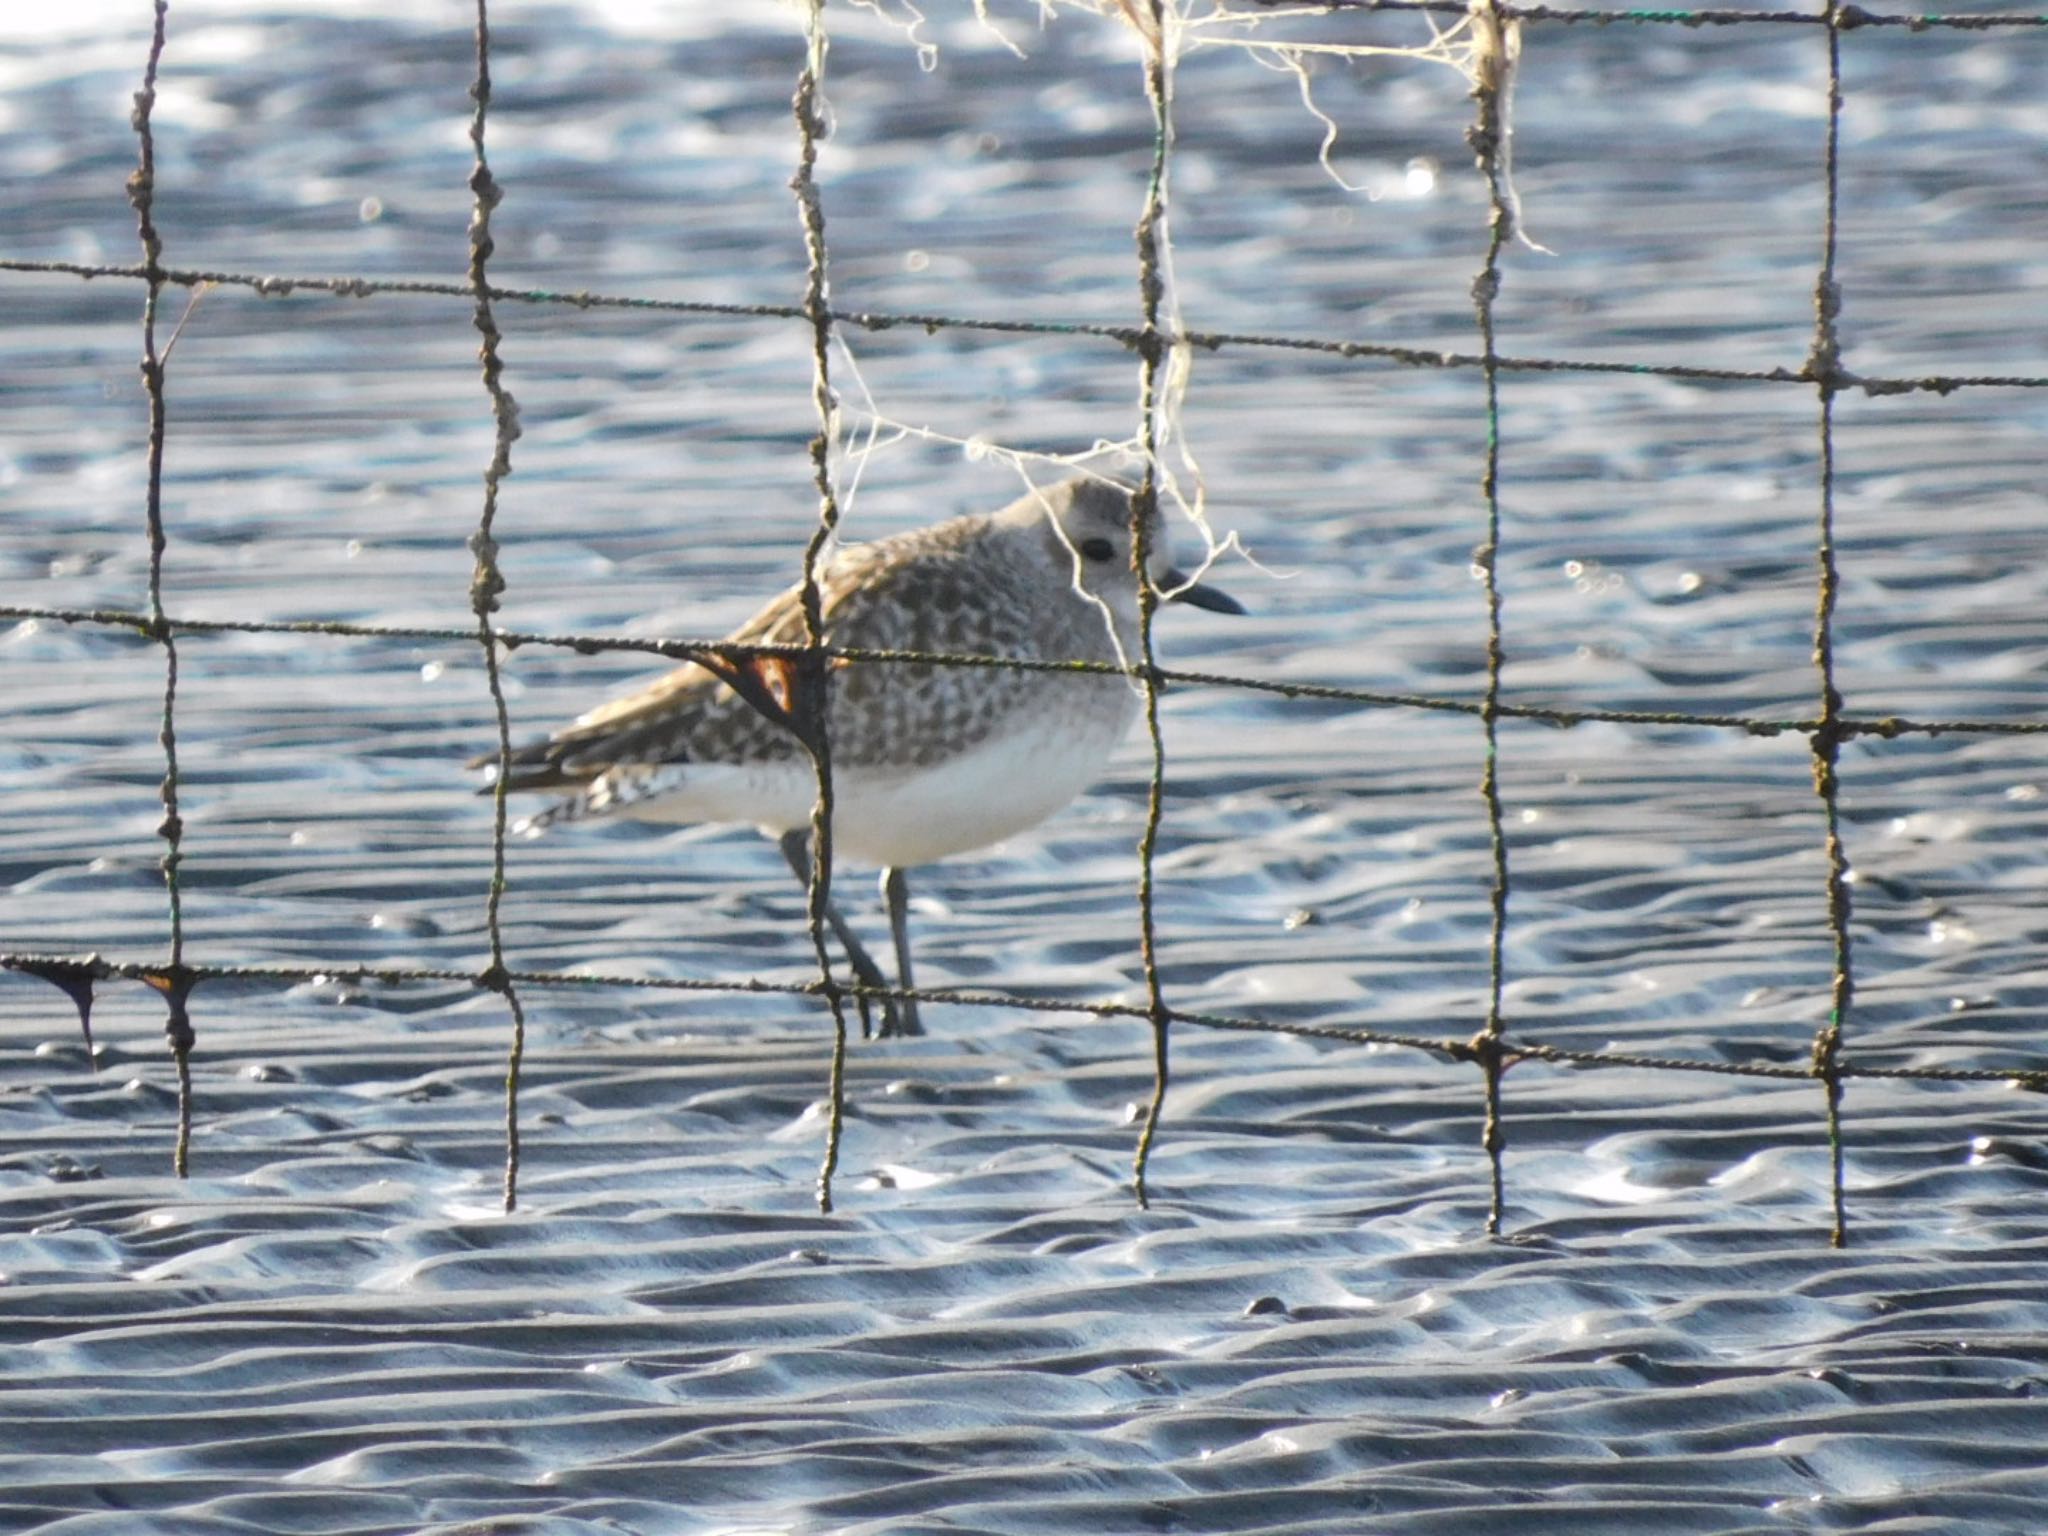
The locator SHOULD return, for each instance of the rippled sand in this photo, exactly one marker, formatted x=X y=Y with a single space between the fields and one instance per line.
x=333 y=1328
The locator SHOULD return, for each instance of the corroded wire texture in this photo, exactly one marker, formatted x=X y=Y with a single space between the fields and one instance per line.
x=1849 y=727
x=813 y=664
x=1152 y=341
x=1144 y=509
x=1489 y=92
x=1132 y=337
x=488 y=584
x=171 y=979
x=1826 y=739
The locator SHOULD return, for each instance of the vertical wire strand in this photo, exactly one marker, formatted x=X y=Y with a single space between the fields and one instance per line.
x=488 y=582
x=814 y=670
x=1824 y=367
x=1144 y=516
x=1485 y=138
x=173 y=982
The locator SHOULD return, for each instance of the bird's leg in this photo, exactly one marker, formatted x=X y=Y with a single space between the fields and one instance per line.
x=796 y=848
x=896 y=896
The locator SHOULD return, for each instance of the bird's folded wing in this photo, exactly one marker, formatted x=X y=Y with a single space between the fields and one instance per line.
x=687 y=715
x=693 y=714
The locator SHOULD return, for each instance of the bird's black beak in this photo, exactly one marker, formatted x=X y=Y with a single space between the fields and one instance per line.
x=1201 y=594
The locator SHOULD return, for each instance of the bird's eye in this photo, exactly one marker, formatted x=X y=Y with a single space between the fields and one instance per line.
x=1098 y=549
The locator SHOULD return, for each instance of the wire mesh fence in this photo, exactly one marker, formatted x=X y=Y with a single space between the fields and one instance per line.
x=1157 y=339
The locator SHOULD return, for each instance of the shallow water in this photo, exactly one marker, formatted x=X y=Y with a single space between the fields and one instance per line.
x=332 y=1327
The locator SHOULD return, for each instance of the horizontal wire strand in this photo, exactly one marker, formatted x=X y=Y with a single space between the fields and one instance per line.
x=2031 y=1076
x=1884 y=726
x=1130 y=337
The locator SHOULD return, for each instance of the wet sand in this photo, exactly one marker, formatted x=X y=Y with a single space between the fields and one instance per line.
x=332 y=1327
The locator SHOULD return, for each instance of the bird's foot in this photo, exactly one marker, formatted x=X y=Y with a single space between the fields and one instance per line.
x=901 y=1018
x=870 y=976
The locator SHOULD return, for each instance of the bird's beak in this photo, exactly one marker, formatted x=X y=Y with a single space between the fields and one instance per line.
x=1180 y=590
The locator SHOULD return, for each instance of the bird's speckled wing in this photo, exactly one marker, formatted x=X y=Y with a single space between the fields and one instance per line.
x=926 y=590
x=686 y=715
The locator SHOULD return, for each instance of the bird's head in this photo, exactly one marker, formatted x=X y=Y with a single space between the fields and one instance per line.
x=1087 y=526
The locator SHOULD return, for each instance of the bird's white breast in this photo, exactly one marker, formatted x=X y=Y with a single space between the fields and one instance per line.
x=902 y=816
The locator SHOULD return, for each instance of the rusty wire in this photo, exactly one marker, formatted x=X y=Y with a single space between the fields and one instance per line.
x=173 y=980
x=1489 y=92
x=488 y=582
x=1826 y=738
x=1144 y=511
x=812 y=685
x=273 y=286
x=1848 y=726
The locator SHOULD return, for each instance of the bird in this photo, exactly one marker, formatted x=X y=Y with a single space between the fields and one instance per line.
x=927 y=759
